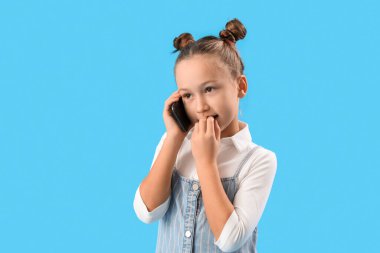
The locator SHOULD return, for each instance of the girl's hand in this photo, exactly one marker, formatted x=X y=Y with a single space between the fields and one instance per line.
x=205 y=141
x=172 y=129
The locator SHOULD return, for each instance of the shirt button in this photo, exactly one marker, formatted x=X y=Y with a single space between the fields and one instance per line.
x=188 y=233
x=195 y=187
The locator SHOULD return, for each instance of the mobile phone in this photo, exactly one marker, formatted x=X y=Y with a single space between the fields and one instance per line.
x=178 y=112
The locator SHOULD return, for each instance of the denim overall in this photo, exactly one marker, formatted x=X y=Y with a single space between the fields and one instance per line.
x=184 y=227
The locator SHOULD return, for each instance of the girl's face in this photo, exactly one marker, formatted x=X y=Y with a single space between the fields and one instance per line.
x=207 y=89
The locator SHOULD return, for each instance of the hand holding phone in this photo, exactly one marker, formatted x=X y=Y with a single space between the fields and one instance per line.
x=174 y=116
x=178 y=112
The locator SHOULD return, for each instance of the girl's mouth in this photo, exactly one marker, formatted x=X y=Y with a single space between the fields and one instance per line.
x=214 y=116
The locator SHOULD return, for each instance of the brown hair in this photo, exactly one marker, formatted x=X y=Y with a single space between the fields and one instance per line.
x=223 y=47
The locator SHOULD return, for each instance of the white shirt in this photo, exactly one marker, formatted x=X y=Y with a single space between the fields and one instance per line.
x=254 y=183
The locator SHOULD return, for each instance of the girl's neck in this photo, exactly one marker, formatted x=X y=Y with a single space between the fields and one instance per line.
x=232 y=129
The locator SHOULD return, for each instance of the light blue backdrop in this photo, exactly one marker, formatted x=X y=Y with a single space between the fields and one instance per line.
x=82 y=88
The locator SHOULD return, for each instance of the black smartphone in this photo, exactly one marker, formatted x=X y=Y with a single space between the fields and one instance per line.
x=178 y=112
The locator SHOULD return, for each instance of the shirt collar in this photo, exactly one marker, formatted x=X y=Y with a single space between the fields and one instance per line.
x=239 y=140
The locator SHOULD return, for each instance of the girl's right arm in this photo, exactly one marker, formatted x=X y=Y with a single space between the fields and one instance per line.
x=155 y=188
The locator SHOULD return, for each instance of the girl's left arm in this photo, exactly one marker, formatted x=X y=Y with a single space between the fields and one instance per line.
x=217 y=205
x=205 y=144
x=233 y=223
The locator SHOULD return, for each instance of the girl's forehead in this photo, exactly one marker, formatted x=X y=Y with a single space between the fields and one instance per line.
x=200 y=67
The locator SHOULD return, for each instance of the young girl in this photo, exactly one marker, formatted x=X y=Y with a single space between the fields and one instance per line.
x=208 y=187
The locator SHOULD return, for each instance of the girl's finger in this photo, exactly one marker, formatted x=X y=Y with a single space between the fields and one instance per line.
x=171 y=100
x=202 y=125
x=175 y=94
x=210 y=126
x=196 y=128
x=217 y=130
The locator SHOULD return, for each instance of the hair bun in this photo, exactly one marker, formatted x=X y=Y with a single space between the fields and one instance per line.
x=234 y=31
x=182 y=41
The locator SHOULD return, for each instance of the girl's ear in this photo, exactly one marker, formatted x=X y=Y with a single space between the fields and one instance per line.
x=242 y=86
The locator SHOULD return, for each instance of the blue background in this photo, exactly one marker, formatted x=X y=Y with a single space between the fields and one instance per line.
x=82 y=89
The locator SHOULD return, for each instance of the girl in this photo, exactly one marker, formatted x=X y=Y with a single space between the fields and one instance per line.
x=207 y=187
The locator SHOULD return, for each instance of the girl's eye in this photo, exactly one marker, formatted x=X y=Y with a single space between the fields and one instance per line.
x=187 y=95
x=209 y=88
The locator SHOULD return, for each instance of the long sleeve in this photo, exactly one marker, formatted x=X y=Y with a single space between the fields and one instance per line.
x=139 y=206
x=249 y=201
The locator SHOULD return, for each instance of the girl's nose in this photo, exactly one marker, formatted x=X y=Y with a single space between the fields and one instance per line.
x=202 y=105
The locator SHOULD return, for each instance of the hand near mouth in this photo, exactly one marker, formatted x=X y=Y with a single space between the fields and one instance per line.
x=205 y=141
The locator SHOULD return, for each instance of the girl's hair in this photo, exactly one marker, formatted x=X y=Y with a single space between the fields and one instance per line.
x=223 y=47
